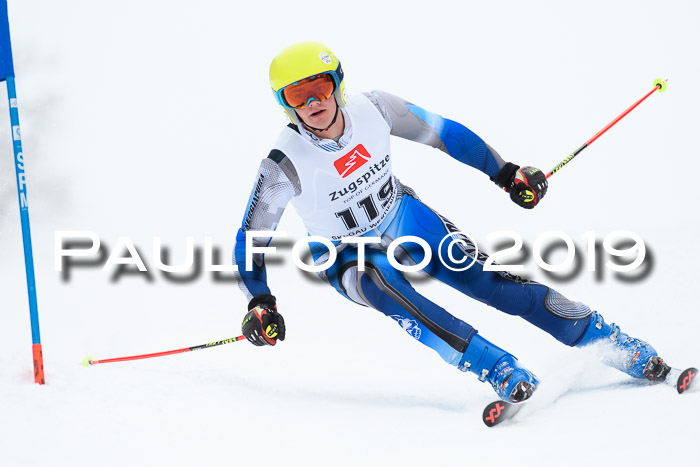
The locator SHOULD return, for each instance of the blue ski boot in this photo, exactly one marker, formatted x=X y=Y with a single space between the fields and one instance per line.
x=627 y=354
x=512 y=382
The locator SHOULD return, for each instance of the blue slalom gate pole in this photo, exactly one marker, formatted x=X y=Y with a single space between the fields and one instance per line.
x=7 y=74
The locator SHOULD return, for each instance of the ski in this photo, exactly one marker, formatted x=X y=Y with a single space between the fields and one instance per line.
x=681 y=380
x=500 y=411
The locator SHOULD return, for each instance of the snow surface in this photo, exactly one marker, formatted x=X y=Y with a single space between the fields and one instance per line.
x=149 y=118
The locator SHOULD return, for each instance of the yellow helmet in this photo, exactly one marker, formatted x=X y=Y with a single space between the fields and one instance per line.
x=300 y=61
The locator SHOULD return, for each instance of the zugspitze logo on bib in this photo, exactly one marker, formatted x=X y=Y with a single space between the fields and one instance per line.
x=352 y=161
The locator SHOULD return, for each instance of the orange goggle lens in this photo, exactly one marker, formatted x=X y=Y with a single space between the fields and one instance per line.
x=318 y=87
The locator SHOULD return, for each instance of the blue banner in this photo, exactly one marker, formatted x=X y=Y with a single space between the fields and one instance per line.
x=6 y=66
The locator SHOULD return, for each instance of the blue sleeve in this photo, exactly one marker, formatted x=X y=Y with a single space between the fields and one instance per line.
x=253 y=282
x=268 y=199
x=460 y=142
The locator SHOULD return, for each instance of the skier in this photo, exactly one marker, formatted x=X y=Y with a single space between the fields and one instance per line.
x=333 y=162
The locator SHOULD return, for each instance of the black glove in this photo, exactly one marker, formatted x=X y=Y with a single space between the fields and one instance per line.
x=263 y=325
x=526 y=185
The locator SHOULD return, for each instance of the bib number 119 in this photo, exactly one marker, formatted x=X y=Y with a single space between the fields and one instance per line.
x=367 y=204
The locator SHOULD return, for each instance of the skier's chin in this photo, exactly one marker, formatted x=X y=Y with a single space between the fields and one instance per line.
x=319 y=119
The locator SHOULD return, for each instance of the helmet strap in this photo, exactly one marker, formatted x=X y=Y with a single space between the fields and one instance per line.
x=335 y=117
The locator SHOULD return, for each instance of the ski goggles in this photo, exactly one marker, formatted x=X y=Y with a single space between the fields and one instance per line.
x=300 y=94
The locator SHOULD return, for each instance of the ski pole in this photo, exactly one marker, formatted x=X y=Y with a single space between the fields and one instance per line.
x=659 y=85
x=7 y=74
x=87 y=361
